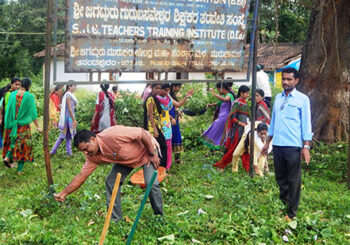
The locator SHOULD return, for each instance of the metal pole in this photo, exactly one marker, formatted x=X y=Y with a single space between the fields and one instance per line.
x=133 y=229
x=47 y=92
x=349 y=146
x=253 y=102
x=55 y=43
x=73 y=82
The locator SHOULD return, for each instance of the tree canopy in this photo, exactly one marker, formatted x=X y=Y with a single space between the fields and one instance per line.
x=22 y=28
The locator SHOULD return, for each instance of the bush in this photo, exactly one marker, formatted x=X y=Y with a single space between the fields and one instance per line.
x=129 y=109
x=85 y=109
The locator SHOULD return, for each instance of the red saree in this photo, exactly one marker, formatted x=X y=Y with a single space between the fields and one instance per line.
x=233 y=132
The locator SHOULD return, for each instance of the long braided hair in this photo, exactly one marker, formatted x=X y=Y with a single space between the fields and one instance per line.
x=104 y=88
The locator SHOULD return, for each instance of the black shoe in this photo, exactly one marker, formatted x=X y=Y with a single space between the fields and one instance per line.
x=7 y=163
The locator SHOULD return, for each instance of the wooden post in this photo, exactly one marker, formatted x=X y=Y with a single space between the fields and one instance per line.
x=110 y=208
x=47 y=92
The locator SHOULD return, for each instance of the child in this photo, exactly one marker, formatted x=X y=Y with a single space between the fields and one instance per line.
x=260 y=136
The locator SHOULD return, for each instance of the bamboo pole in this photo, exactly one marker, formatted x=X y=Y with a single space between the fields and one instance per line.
x=150 y=184
x=110 y=208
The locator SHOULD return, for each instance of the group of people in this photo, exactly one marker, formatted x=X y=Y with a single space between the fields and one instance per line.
x=161 y=119
x=62 y=106
x=230 y=127
x=18 y=110
x=288 y=129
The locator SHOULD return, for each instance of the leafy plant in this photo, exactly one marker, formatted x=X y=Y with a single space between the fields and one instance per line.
x=129 y=109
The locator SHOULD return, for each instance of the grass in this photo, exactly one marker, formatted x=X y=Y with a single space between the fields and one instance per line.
x=242 y=210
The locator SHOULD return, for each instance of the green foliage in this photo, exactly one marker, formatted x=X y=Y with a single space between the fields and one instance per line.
x=275 y=91
x=240 y=210
x=36 y=89
x=85 y=109
x=129 y=109
x=329 y=161
x=198 y=101
x=17 y=50
x=293 y=20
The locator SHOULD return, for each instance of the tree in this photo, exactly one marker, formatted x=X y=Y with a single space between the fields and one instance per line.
x=23 y=26
x=283 y=21
x=325 y=68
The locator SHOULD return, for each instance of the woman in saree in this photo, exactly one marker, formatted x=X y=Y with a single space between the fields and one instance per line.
x=104 y=116
x=6 y=92
x=54 y=106
x=212 y=136
x=67 y=123
x=176 y=141
x=262 y=111
x=152 y=121
x=234 y=126
x=146 y=92
x=20 y=112
x=167 y=121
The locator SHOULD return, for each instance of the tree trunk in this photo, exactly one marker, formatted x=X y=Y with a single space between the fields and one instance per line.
x=325 y=69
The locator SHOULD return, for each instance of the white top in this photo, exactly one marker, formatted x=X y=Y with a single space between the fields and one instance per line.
x=262 y=82
x=105 y=120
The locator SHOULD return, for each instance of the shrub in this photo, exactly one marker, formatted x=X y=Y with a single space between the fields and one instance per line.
x=129 y=109
x=85 y=110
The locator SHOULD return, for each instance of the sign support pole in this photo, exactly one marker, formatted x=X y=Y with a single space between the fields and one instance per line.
x=253 y=102
x=349 y=147
x=47 y=92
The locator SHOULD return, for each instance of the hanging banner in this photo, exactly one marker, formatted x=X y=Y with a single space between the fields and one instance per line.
x=155 y=36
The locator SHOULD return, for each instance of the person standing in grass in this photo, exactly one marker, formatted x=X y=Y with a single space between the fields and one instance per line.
x=176 y=141
x=104 y=116
x=167 y=103
x=290 y=132
x=262 y=82
x=234 y=126
x=212 y=136
x=14 y=85
x=262 y=110
x=54 y=106
x=152 y=121
x=20 y=112
x=67 y=123
x=146 y=92
x=124 y=147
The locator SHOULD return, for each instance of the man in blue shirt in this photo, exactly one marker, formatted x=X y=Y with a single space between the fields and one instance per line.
x=290 y=133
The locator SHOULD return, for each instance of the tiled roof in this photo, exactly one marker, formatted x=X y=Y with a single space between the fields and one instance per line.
x=60 y=51
x=275 y=56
